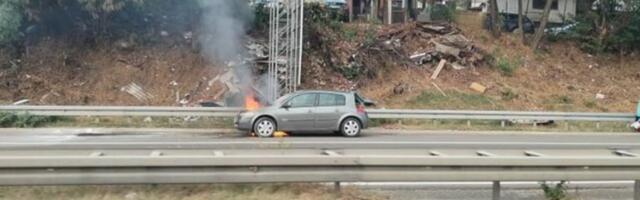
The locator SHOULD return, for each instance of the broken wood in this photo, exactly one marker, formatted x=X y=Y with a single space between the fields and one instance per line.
x=478 y=87
x=220 y=93
x=441 y=65
x=439 y=90
x=447 y=50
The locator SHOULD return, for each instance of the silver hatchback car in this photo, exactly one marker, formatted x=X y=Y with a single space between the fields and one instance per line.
x=308 y=111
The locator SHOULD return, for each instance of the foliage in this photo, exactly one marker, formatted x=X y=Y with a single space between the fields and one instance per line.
x=261 y=17
x=506 y=66
x=25 y=120
x=10 y=21
x=444 y=12
x=608 y=28
x=96 y=6
x=556 y=192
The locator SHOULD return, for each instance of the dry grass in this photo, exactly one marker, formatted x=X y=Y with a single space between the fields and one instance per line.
x=184 y=192
x=57 y=73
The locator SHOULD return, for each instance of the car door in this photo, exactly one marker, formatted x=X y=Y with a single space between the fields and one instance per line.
x=298 y=113
x=330 y=109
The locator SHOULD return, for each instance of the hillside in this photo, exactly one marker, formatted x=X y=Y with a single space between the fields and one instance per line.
x=561 y=77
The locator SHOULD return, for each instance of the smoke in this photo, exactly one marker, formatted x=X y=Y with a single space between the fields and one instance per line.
x=223 y=29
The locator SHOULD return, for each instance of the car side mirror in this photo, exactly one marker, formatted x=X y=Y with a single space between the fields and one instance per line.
x=286 y=106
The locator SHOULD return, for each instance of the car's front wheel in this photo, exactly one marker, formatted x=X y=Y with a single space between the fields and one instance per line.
x=350 y=127
x=264 y=127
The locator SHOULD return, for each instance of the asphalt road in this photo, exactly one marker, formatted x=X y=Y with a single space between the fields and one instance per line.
x=376 y=139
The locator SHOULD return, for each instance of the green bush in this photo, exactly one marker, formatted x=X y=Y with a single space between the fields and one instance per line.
x=556 y=192
x=444 y=12
x=506 y=66
x=26 y=120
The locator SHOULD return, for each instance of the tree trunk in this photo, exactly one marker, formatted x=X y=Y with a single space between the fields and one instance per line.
x=493 y=13
x=521 y=21
x=543 y=23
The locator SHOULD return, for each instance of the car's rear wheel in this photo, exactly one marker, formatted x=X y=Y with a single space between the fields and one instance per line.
x=350 y=127
x=264 y=127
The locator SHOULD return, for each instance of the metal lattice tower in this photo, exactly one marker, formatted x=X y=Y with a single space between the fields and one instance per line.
x=285 y=47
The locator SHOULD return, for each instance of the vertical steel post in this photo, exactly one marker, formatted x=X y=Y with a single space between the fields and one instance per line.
x=336 y=186
x=496 y=190
x=636 y=190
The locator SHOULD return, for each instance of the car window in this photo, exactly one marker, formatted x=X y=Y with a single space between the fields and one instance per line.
x=331 y=100
x=304 y=100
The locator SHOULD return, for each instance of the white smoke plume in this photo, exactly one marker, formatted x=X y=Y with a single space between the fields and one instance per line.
x=222 y=35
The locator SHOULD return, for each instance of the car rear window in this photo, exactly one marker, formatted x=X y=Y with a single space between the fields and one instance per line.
x=332 y=100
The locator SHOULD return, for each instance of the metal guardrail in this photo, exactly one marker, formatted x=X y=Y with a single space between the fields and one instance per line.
x=122 y=111
x=24 y=167
x=501 y=115
x=373 y=113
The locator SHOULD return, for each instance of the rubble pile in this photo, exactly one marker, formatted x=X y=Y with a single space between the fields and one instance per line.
x=415 y=44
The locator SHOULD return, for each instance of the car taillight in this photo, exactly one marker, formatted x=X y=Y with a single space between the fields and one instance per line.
x=360 y=108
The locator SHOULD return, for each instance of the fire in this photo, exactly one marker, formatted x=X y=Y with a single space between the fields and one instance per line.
x=250 y=102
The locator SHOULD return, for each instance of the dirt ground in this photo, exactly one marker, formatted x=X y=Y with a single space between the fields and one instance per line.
x=184 y=192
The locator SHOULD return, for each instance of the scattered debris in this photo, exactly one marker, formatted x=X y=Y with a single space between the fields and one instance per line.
x=210 y=104
x=441 y=65
x=21 y=102
x=148 y=120
x=533 y=122
x=43 y=99
x=137 y=91
x=600 y=96
x=478 y=87
x=457 y=66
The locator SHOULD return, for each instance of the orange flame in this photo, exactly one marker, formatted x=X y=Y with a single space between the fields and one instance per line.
x=250 y=103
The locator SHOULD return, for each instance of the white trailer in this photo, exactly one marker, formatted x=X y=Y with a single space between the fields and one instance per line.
x=561 y=10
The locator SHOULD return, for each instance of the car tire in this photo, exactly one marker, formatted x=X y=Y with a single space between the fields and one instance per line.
x=350 y=127
x=264 y=127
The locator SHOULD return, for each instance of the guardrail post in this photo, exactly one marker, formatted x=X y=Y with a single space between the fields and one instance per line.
x=636 y=190
x=598 y=125
x=336 y=186
x=469 y=123
x=503 y=123
x=496 y=190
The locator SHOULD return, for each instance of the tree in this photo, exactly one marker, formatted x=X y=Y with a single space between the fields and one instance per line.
x=537 y=37
x=495 y=21
x=521 y=21
x=613 y=16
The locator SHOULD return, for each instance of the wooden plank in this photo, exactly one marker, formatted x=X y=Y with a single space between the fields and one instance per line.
x=441 y=65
